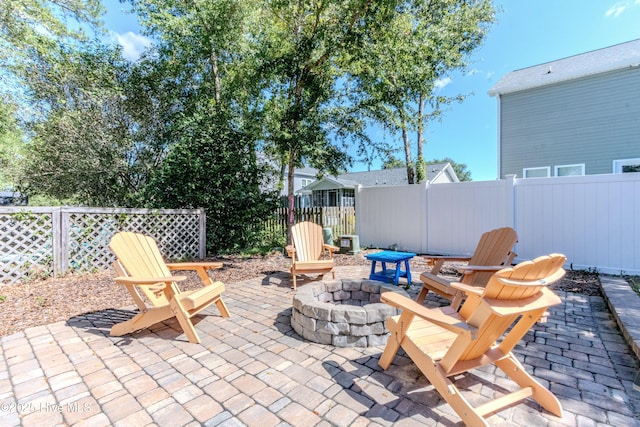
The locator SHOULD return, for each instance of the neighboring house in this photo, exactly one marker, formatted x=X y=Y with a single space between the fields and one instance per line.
x=340 y=190
x=301 y=178
x=574 y=116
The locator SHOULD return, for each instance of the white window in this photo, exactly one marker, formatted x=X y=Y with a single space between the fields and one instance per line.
x=626 y=165
x=569 y=170
x=306 y=181
x=348 y=201
x=536 y=172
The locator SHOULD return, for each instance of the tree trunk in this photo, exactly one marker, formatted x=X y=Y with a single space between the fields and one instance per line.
x=421 y=170
x=407 y=153
x=281 y=171
x=290 y=177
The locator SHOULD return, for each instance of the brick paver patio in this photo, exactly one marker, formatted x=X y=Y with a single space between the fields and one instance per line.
x=254 y=370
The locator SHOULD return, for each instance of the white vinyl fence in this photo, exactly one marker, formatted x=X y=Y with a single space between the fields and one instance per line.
x=39 y=242
x=594 y=220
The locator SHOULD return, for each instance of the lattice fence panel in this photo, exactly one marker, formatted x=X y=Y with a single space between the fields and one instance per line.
x=89 y=235
x=40 y=242
x=26 y=245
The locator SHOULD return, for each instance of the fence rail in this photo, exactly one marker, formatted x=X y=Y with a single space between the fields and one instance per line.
x=37 y=242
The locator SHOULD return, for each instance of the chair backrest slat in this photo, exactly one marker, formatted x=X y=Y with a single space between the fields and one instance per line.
x=307 y=240
x=140 y=257
x=494 y=248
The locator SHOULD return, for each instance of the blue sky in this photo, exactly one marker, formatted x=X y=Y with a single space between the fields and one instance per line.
x=526 y=33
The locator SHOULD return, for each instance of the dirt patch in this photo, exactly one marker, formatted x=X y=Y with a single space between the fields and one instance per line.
x=41 y=302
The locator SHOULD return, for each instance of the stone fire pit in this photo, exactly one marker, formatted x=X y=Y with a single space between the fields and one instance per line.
x=343 y=312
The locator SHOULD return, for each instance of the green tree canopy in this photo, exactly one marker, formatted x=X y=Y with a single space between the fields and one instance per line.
x=199 y=111
x=397 y=68
x=33 y=31
x=460 y=168
x=462 y=172
x=11 y=145
x=393 y=162
x=224 y=81
x=213 y=166
x=78 y=151
x=301 y=53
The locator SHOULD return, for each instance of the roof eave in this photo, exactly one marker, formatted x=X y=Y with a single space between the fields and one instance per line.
x=494 y=91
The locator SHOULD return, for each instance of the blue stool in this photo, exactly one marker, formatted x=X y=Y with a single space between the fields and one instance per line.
x=390 y=275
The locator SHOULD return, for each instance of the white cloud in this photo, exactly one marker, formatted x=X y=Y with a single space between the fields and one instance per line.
x=615 y=10
x=133 y=45
x=441 y=83
x=621 y=7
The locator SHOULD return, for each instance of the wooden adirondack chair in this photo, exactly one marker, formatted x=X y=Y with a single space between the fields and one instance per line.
x=308 y=251
x=493 y=252
x=142 y=270
x=444 y=343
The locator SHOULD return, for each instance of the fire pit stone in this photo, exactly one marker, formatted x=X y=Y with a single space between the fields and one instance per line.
x=343 y=312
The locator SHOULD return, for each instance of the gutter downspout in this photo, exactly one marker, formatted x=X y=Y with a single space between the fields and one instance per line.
x=499 y=132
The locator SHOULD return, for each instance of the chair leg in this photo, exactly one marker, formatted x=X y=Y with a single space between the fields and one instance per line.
x=448 y=391
x=516 y=372
x=461 y=405
x=456 y=301
x=389 y=353
x=395 y=338
x=185 y=322
x=422 y=295
x=141 y=320
x=222 y=308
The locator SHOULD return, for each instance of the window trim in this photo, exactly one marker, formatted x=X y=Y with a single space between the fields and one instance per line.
x=618 y=164
x=546 y=168
x=581 y=165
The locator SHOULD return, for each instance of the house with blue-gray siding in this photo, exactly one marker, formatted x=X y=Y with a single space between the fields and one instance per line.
x=574 y=116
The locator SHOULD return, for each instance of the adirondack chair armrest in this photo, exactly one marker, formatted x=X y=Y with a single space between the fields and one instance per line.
x=437 y=261
x=543 y=282
x=141 y=281
x=467 y=289
x=433 y=258
x=471 y=269
x=193 y=265
x=290 y=250
x=446 y=317
x=330 y=248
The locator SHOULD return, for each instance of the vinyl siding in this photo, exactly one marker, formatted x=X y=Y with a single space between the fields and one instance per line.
x=592 y=120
